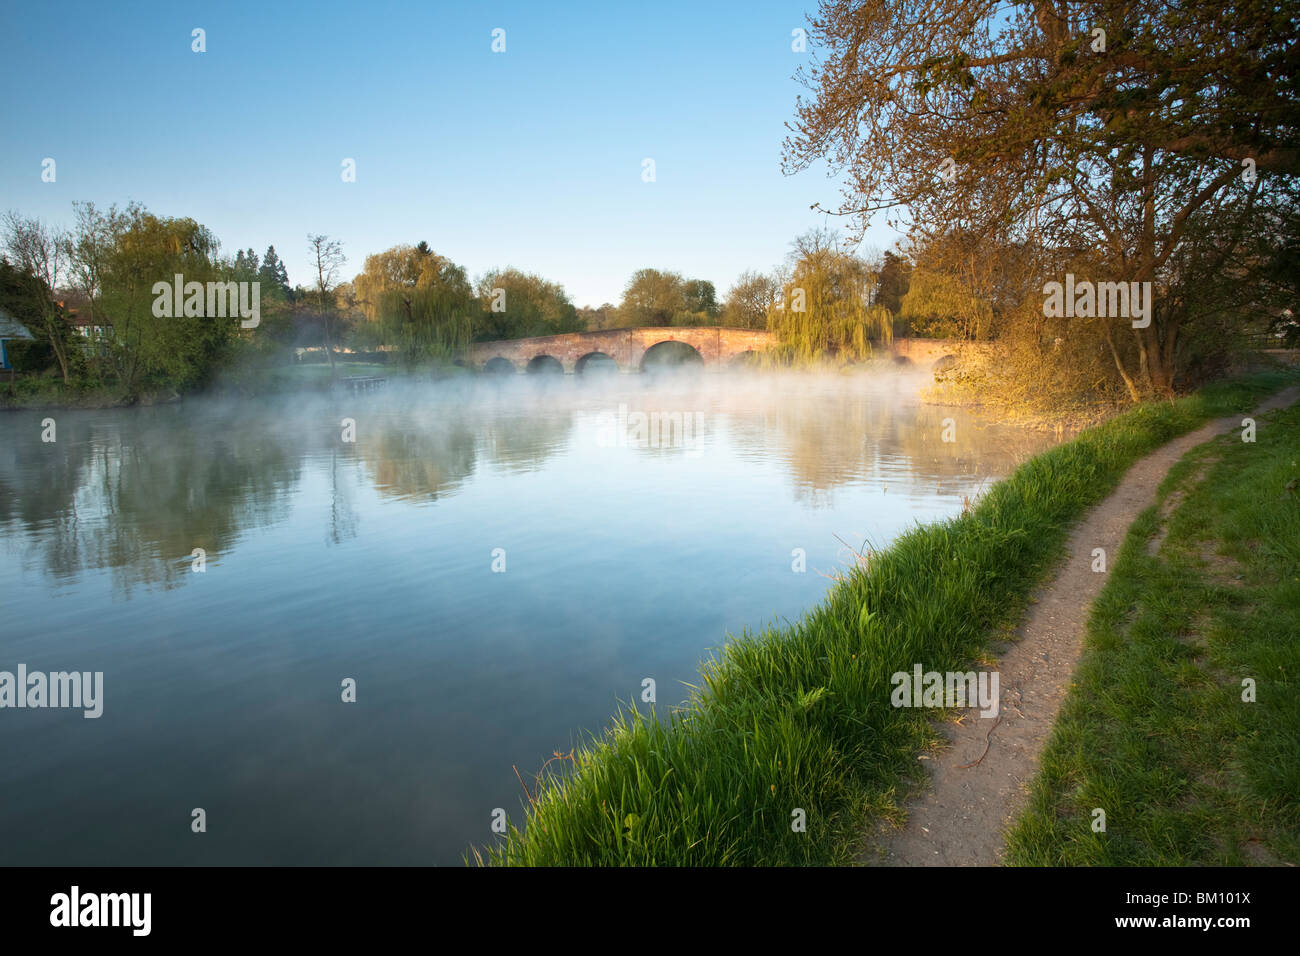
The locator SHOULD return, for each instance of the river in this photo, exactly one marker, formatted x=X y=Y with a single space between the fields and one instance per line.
x=495 y=563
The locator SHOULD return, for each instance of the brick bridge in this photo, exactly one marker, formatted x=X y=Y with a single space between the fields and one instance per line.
x=628 y=348
x=927 y=352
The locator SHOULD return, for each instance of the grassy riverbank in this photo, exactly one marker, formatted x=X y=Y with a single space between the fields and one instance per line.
x=319 y=377
x=798 y=718
x=1155 y=730
x=51 y=393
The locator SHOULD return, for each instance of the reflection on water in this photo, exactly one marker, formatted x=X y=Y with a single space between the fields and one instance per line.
x=373 y=559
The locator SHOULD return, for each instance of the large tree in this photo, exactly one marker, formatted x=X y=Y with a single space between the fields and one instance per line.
x=518 y=304
x=40 y=253
x=659 y=297
x=749 y=300
x=701 y=302
x=94 y=234
x=826 y=306
x=1099 y=131
x=178 y=349
x=327 y=260
x=652 y=297
x=273 y=275
x=421 y=301
x=895 y=280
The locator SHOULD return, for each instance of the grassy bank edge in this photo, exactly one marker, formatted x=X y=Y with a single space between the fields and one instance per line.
x=789 y=747
x=54 y=396
x=257 y=382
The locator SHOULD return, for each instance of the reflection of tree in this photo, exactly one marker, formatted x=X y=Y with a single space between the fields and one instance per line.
x=409 y=460
x=138 y=491
x=343 y=516
x=835 y=435
x=524 y=442
x=827 y=440
x=429 y=453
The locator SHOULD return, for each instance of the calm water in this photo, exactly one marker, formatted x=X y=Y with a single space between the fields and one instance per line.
x=373 y=560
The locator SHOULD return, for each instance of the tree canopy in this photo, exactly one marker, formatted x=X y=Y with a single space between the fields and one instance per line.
x=1097 y=133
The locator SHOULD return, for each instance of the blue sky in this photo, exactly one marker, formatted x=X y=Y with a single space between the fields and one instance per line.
x=531 y=157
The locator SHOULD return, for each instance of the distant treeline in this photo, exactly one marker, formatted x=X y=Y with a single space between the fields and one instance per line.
x=1050 y=173
x=87 y=294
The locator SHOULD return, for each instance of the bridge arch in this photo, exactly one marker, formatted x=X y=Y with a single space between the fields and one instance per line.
x=544 y=365
x=671 y=353
x=596 y=362
x=499 y=366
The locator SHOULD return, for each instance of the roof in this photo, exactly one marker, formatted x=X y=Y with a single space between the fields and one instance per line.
x=77 y=320
x=11 y=328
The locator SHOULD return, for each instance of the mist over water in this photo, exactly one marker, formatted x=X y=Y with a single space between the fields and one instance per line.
x=630 y=551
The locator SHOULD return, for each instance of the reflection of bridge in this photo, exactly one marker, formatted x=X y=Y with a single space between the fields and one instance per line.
x=628 y=348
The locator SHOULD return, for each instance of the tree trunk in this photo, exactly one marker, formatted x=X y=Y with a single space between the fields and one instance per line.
x=1119 y=365
x=1148 y=339
x=63 y=361
x=1144 y=359
x=54 y=332
x=329 y=349
x=1169 y=356
x=1158 y=360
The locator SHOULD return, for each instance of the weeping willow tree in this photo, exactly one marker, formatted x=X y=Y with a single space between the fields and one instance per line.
x=942 y=306
x=826 y=309
x=422 y=302
x=427 y=324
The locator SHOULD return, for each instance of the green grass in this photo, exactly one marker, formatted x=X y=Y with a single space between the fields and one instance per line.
x=50 y=392
x=1155 y=731
x=319 y=373
x=316 y=376
x=798 y=717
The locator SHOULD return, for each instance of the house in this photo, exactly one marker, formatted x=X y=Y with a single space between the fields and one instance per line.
x=98 y=332
x=10 y=328
x=84 y=326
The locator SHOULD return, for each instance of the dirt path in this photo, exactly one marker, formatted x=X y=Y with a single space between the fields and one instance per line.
x=961 y=819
